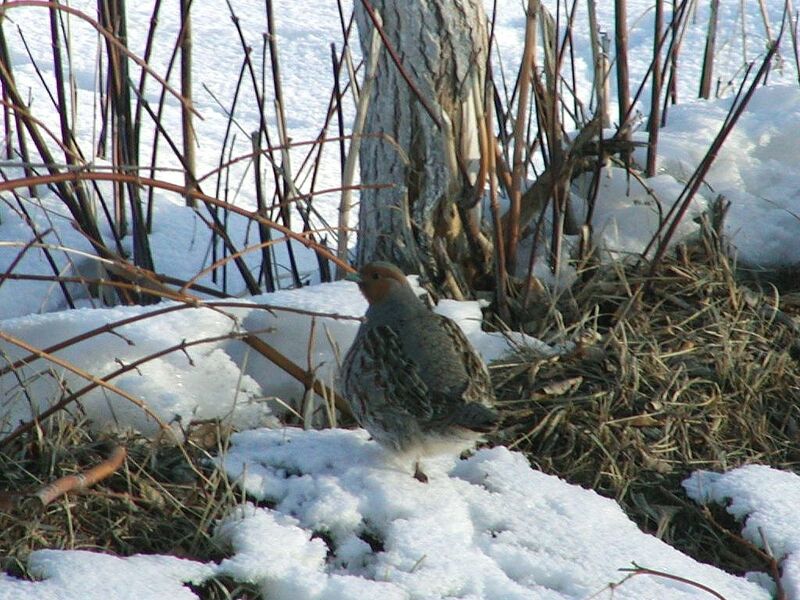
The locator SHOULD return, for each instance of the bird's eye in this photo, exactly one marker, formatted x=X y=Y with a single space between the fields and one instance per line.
x=375 y=276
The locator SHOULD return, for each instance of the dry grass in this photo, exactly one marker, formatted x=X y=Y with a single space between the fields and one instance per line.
x=679 y=370
x=165 y=499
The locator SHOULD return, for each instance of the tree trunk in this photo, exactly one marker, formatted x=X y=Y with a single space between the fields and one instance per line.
x=423 y=138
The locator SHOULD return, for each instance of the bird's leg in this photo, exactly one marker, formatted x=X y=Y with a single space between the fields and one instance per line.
x=418 y=474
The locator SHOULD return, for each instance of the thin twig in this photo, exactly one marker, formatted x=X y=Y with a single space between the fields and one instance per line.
x=178 y=189
x=637 y=570
x=215 y=306
x=102 y=31
x=682 y=204
x=348 y=175
x=97 y=381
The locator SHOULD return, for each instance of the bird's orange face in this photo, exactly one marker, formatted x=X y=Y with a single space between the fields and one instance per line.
x=376 y=279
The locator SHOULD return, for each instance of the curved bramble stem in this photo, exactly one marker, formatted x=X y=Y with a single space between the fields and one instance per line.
x=76 y=176
x=102 y=31
x=96 y=381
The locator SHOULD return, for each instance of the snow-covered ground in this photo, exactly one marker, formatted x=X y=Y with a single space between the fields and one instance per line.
x=488 y=527
x=346 y=522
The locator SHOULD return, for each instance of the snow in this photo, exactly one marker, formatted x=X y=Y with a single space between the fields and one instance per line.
x=486 y=527
x=766 y=500
x=222 y=378
x=78 y=574
x=492 y=345
x=756 y=170
x=203 y=382
x=330 y=515
x=629 y=211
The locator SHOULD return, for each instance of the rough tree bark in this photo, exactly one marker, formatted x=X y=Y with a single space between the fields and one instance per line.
x=428 y=150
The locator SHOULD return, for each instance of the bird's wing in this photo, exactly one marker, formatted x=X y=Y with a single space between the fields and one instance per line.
x=387 y=375
x=472 y=405
x=479 y=386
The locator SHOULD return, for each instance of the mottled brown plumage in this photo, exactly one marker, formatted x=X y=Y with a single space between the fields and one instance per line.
x=412 y=378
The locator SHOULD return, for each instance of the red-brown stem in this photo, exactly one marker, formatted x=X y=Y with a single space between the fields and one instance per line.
x=96 y=381
x=83 y=480
x=654 y=120
x=637 y=570
x=520 y=143
x=101 y=30
x=178 y=189
x=621 y=42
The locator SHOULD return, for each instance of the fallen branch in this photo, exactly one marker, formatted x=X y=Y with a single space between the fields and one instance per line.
x=536 y=197
x=64 y=485
x=305 y=377
x=83 y=480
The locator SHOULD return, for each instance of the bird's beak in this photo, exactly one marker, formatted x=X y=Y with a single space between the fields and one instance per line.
x=355 y=276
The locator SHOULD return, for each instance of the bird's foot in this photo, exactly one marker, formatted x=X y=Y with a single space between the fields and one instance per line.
x=419 y=475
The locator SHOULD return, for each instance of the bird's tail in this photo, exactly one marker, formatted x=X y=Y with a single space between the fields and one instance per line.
x=477 y=417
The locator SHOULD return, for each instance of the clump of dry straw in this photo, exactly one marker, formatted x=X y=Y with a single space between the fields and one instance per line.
x=164 y=499
x=678 y=368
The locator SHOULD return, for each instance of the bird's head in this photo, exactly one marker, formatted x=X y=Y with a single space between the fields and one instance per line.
x=379 y=281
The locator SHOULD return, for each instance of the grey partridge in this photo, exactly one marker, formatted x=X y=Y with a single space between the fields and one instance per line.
x=411 y=377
